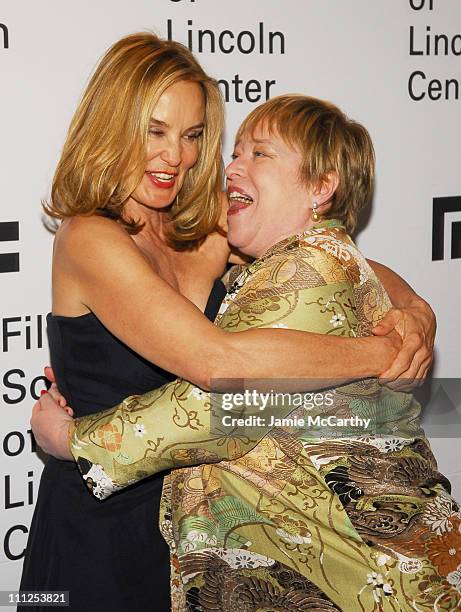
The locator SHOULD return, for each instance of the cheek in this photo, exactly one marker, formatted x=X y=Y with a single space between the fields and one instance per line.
x=188 y=161
x=191 y=155
x=151 y=151
x=142 y=193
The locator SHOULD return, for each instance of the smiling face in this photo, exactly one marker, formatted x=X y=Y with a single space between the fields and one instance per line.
x=267 y=201
x=173 y=144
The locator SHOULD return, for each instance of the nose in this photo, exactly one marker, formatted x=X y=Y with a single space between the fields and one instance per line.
x=235 y=168
x=172 y=153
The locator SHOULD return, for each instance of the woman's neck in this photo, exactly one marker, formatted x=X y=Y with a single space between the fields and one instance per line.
x=273 y=240
x=155 y=221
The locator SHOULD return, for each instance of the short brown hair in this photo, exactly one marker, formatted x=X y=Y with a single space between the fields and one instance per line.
x=329 y=142
x=104 y=155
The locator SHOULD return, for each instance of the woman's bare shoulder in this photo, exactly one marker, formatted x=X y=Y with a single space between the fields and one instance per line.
x=89 y=229
x=94 y=243
x=79 y=233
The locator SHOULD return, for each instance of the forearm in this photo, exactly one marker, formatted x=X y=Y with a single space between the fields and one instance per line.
x=309 y=360
x=170 y=427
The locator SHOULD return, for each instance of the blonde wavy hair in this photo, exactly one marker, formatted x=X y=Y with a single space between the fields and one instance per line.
x=328 y=142
x=104 y=156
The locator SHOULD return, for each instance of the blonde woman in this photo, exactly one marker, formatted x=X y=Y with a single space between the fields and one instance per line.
x=138 y=193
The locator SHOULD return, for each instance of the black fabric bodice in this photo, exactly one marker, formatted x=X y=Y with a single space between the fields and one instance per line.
x=94 y=370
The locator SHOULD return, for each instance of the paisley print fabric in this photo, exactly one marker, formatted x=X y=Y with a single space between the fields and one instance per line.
x=294 y=518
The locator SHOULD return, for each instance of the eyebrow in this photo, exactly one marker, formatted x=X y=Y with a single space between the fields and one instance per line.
x=157 y=122
x=163 y=124
x=263 y=141
x=257 y=141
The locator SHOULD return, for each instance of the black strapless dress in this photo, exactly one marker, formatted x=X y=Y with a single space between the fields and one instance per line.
x=109 y=555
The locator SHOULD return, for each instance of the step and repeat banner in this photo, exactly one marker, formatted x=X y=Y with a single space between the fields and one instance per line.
x=394 y=65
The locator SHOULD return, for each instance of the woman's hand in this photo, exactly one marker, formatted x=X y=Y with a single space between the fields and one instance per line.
x=416 y=325
x=55 y=392
x=50 y=424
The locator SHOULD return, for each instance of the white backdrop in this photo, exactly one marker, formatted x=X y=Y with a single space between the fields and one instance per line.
x=380 y=61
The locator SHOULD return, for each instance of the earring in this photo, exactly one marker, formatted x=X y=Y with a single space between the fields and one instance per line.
x=315 y=214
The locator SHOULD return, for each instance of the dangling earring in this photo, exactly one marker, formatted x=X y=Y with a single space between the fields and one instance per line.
x=315 y=214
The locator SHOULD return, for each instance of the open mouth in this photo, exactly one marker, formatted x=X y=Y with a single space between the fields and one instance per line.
x=238 y=200
x=162 y=179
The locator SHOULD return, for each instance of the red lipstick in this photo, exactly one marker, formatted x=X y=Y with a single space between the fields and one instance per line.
x=163 y=180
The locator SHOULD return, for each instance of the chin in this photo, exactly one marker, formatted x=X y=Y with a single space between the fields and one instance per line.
x=159 y=198
x=239 y=232
x=240 y=243
x=160 y=202
x=234 y=239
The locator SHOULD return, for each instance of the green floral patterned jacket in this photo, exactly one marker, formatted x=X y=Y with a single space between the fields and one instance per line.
x=291 y=517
